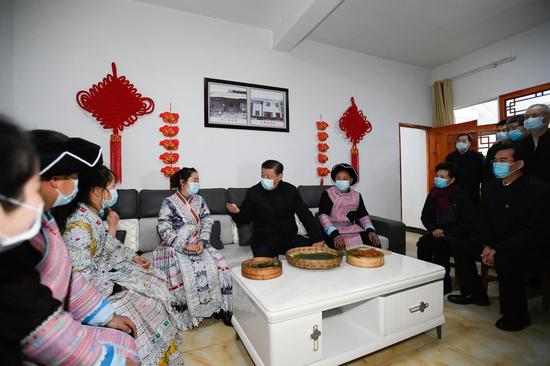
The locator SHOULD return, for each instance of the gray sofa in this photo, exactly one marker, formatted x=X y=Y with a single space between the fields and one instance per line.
x=139 y=212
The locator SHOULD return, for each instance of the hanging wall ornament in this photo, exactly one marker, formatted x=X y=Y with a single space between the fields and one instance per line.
x=354 y=123
x=322 y=147
x=115 y=103
x=171 y=144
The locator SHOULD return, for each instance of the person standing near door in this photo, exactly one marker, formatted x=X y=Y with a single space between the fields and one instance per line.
x=470 y=166
x=537 y=144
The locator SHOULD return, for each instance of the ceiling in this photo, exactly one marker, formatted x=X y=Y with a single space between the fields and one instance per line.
x=425 y=33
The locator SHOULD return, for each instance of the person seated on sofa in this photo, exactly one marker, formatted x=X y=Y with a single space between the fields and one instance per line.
x=271 y=205
x=133 y=287
x=197 y=273
x=448 y=215
x=345 y=220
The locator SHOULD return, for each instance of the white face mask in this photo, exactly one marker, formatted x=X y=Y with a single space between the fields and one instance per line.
x=6 y=241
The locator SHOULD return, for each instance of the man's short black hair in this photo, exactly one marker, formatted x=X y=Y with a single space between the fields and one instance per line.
x=464 y=134
x=448 y=166
x=518 y=118
x=518 y=151
x=502 y=122
x=273 y=164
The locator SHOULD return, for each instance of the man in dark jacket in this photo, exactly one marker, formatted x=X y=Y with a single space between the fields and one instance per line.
x=470 y=166
x=270 y=205
x=502 y=138
x=537 y=144
x=448 y=217
x=513 y=228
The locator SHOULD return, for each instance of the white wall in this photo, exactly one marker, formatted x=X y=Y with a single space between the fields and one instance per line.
x=6 y=56
x=62 y=47
x=531 y=67
x=414 y=171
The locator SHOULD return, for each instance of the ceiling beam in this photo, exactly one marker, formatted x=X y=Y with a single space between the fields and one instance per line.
x=297 y=29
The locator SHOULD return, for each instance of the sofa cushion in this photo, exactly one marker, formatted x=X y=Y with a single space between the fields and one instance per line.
x=215 y=240
x=148 y=236
x=311 y=195
x=226 y=233
x=150 y=201
x=127 y=204
x=131 y=227
x=236 y=195
x=216 y=199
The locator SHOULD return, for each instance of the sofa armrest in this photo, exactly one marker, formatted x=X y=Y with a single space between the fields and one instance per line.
x=393 y=230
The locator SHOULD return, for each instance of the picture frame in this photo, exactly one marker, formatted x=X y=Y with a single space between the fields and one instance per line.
x=232 y=104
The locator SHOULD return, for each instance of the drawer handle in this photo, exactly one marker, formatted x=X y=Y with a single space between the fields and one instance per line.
x=315 y=336
x=419 y=307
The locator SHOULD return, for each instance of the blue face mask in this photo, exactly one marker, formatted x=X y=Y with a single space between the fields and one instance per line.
x=515 y=135
x=194 y=187
x=533 y=124
x=501 y=170
x=114 y=197
x=461 y=146
x=62 y=199
x=502 y=136
x=441 y=183
x=342 y=185
x=268 y=184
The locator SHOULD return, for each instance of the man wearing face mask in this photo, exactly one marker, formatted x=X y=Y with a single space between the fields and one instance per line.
x=470 y=166
x=537 y=145
x=270 y=205
x=516 y=131
x=513 y=232
x=502 y=138
x=44 y=318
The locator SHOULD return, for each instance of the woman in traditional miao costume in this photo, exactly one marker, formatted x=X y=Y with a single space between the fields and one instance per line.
x=345 y=220
x=133 y=286
x=50 y=315
x=198 y=274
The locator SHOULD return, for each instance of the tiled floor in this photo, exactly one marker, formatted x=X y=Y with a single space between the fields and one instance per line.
x=469 y=338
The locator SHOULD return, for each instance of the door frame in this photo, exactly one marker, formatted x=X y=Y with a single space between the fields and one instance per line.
x=426 y=129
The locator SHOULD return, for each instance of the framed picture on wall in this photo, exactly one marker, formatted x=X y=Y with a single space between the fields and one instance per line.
x=231 y=104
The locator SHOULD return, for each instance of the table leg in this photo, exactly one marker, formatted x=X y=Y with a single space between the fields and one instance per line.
x=438 y=330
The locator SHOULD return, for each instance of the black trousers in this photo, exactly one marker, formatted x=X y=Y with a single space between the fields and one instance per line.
x=435 y=250
x=466 y=254
x=272 y=248
x=512 y=265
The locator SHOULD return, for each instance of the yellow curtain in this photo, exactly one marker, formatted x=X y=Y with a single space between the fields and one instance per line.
x=443 y=103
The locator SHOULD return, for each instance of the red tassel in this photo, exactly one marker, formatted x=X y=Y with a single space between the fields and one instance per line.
x=322 y=183
x=116 y=159
x=355 y=159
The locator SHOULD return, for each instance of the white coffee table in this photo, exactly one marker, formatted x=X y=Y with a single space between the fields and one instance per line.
x=351 y=311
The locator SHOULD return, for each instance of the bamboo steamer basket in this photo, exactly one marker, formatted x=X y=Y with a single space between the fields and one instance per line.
x=261 y=273
x=313 y=263
x=365 y=262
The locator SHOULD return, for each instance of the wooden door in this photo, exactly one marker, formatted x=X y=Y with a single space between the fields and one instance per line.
x=442 y=141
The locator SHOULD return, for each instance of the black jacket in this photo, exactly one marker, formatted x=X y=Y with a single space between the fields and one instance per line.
x=470 y=172
x=537 y=161
x=463 y=225
x=514 y=216
x=272 y=214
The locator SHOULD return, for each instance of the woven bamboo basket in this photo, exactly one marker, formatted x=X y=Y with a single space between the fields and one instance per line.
x=313 y=263
x=266 y=273
x=365 y=262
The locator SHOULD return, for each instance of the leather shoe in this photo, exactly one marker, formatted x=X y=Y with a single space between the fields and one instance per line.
x=512 y=325
x=468 y=299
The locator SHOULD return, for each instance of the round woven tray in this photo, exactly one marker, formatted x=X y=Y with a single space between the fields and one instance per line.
x=365 y=262
x=266 y=273
x=313 y=263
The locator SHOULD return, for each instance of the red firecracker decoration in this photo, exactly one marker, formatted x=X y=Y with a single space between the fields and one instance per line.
x=171 y=144
x=354 y=123
x=169 y=158
x=322 y=147
x=169 y=131
x=115 y=103
x=169 y=171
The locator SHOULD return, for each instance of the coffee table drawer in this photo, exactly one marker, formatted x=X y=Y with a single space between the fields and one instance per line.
x=404 y=309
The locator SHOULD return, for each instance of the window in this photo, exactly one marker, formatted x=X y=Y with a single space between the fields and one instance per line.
x=485 y=113
x=518 y=101
x=267 y=104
